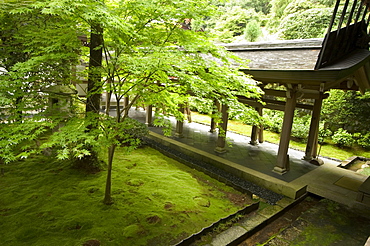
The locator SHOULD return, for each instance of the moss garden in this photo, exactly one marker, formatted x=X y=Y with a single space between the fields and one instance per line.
x=158 y=201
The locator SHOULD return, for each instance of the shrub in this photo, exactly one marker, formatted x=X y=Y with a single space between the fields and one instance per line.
x=252 y=31
x=273 y=120
x=301 y=127
x=343 y=138
x=324 y=133
x=134 y=128
x=363 y=140
x=201 y=105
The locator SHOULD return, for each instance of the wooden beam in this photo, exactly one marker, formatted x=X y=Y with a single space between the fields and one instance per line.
x=298 y=105
x=272 y=104
x=303 y=93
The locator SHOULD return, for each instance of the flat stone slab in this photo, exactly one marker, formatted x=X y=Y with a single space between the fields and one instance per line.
x=365 y=187
x=228 y=236
x=348 y=183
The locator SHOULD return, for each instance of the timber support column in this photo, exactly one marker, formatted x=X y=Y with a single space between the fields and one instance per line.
x=254 y=135
x=217 y=108
x=149 y=115
x=260 y=130
x=282 y=165
x=180 y=124
x=126 y=103
x=312 y=141
x=257 y=131
x=221 y=140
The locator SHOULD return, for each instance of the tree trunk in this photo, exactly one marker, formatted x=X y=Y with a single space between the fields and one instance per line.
x=108 y=185
x=95 y=62
x=93 y=91
x=18 y=113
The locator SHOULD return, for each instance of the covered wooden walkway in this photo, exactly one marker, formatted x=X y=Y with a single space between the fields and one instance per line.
x=290 y=71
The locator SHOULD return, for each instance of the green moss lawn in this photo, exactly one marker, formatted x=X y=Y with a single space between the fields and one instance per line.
x=158 y=201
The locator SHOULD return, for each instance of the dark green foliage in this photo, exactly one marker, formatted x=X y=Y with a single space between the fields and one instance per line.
x=348 y=110
x=133 y=129
x=74 y=140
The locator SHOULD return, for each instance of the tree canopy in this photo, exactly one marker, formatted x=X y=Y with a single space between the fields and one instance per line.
x=150 y=53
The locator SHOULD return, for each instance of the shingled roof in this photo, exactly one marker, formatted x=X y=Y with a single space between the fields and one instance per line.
x=279 y=55
x=293 y=62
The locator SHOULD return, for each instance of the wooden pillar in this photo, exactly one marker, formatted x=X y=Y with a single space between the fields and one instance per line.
x=126 y=102
x=312 y=141
x=254 y=135
x=221 y=140
x=107 y=101
x=188 y=112
x=282 y=165
x=149 y=115
x=217 y=108
x=260 y=130
x=257 y=131
x=180 y=123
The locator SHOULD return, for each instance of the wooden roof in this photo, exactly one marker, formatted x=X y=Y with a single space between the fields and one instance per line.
x=340 y=61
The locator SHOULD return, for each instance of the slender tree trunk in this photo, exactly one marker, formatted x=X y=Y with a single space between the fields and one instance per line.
x=108 y=185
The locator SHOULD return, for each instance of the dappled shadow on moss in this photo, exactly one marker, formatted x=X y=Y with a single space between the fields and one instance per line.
x=157 y=200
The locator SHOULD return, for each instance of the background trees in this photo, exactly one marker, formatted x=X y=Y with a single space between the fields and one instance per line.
x=305 y=19
x=286 y=19
x=37 y=52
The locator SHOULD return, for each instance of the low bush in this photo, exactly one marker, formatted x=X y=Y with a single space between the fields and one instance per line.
x=343 y=138
x=201 y=105
x=301 y=127
x=273 y=120
x=363 y=140
x=324 y=133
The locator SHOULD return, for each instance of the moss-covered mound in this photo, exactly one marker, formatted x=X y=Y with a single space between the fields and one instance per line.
x=158 y=201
